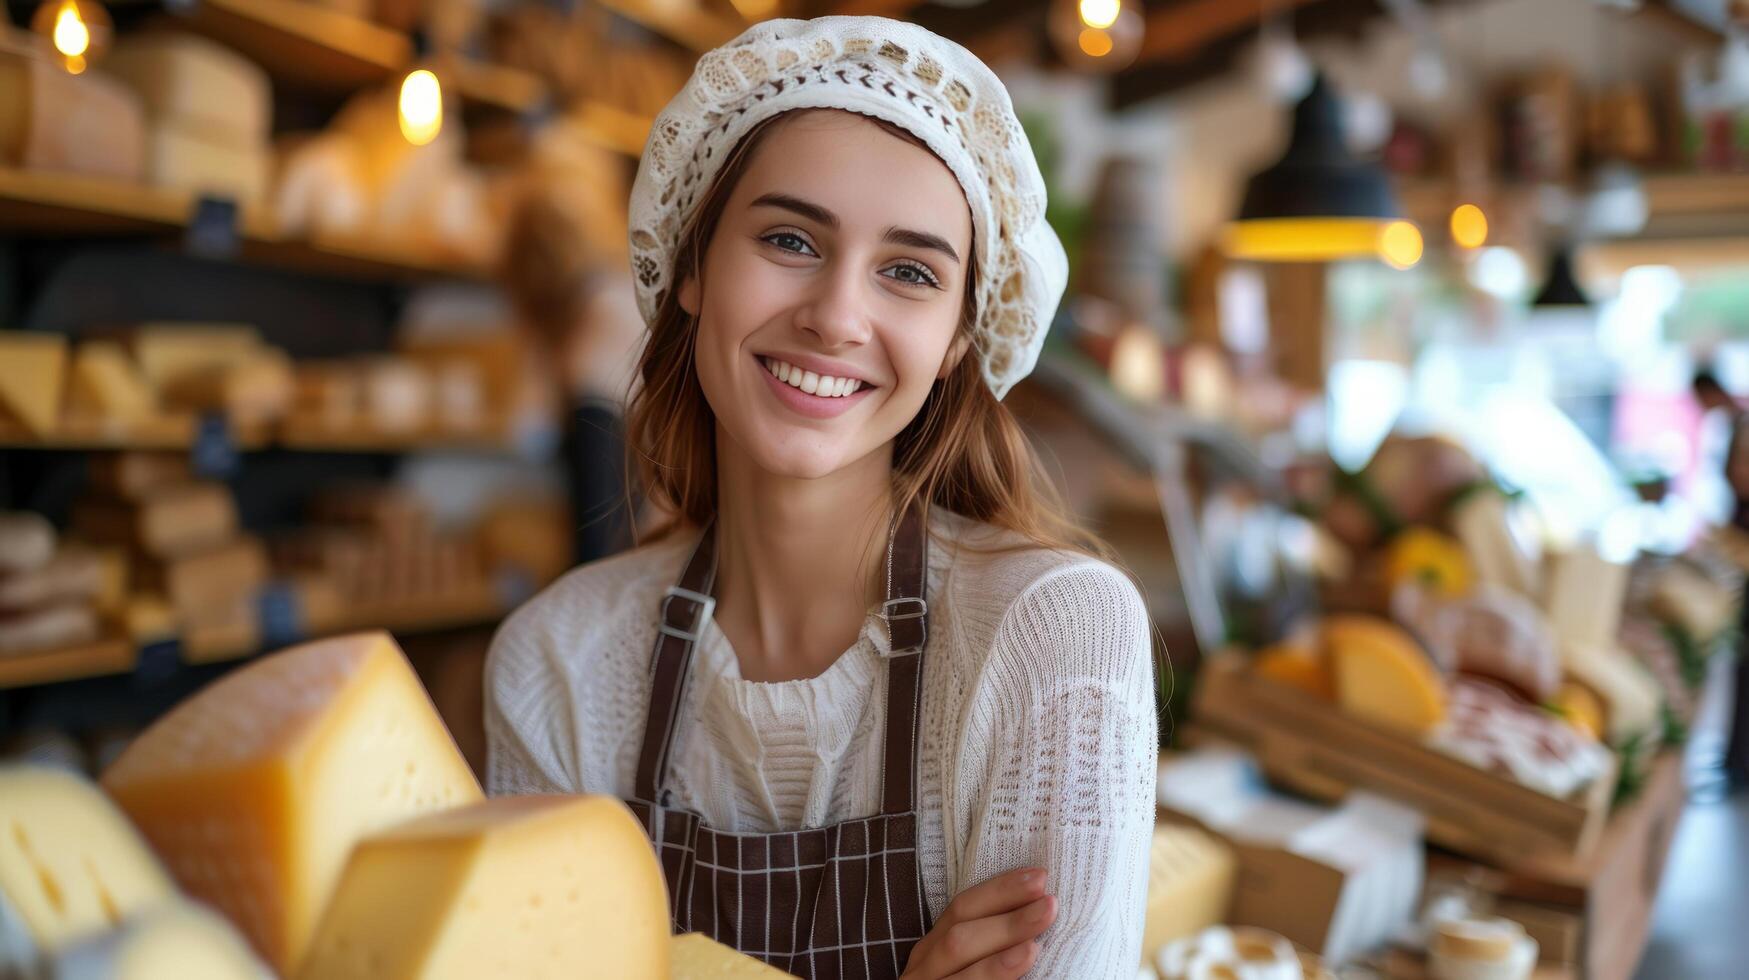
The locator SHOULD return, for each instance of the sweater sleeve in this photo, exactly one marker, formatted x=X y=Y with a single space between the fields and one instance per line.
x=1067 y=724
x=524 y=717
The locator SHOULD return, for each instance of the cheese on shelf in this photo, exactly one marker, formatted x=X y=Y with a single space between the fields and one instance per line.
x=530 y=887
x=1297 y=666
x=74 y=574
x=254 y=790
x=172 y=352
x=1585 y=597
x=107 y=384
x=70 y=865
x=208 y=578
x=33 y=369
x=170 y=523
x=1190 y=886
x=181 y=158
x=1382 y=676
x=180 y=939
x=134 y=475
x=1480 y=522
x=27 y=541
x=696 y=956
x=51 y=120
x=1630 y=696
x=195 y=83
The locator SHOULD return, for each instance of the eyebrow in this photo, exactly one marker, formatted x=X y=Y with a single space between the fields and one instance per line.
x=894 y=236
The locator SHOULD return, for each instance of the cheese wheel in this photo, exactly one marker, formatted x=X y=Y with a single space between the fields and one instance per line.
x=55 y=121
x=179 y=939
x=72 y=575
x=70 y=865
x=134 y=475
x=33 y=371
x=184 y=159
x=48 y=628
x=27 y=541
x=254 y=790
x=531 y=887
x=170 y=523
x=169 y=353
x=696 y=956
x=195 y=83
x=1382 y=676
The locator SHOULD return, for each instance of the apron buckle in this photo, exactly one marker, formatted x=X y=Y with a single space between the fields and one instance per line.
x=922 y=609
x=706 y=606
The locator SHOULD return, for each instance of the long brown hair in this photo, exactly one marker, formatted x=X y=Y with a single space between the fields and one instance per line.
x=964 y=451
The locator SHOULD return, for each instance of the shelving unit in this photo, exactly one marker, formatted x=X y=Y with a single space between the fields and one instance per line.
x=683 y=23
x=177 y=432
x=115 y=655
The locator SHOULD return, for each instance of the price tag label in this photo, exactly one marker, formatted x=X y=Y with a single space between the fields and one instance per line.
x=212 y=228
x=215 y=447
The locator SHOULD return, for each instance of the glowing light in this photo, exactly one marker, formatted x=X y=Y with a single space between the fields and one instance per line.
x=1400 y=245
x=1303 y=239
x=1095 y=43
x=421 y=107
x=1469 y=226
x=72 y=38
x=1100 y=14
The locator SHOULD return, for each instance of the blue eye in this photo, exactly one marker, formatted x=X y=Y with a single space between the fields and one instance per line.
x=776 y=237
x=923 y=276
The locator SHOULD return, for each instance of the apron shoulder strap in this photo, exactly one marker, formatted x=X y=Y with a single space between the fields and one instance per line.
x=685 y=608
x=907 y=614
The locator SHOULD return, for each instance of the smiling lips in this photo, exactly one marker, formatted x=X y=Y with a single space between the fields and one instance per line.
x=821 y=386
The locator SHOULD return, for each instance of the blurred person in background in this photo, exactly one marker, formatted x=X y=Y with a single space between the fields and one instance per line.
x=1713 y=397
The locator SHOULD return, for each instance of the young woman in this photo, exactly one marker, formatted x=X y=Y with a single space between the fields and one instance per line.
x=880 y=708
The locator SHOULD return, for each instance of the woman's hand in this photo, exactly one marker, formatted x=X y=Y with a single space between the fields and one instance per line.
x=988 y=932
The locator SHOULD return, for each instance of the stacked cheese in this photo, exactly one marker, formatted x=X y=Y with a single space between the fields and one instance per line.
x=53 y=120
x=1190 y=885
x=214 y=367
x=80 y=896
x=255 y=791
x=209 y=112
x=51 y=595
x=33 y=375
x=187 y=552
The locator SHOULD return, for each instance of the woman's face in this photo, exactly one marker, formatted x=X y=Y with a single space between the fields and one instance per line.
x=840 y=254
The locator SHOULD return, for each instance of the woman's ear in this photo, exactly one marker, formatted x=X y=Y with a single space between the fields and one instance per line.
x=689 y=295
x=955 y=351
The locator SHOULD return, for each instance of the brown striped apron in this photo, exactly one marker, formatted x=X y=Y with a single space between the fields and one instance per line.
x=839 y=901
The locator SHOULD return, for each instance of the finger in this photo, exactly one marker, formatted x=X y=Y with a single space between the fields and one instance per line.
x=965 y=943
x=1009 y=964
x=1003 y=893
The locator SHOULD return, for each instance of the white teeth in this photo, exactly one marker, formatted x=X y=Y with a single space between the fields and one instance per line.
x=822 y=386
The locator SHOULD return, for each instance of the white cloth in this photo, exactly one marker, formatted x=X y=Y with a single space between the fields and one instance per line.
x=892 y=70
x=1039 y=732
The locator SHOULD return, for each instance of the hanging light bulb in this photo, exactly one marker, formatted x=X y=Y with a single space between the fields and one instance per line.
x=421 y=107
x=1097 y=35
x=1400 y=245
x=79 y=30
x=1469 y=226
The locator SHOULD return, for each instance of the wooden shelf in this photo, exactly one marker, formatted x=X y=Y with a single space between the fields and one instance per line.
x=109 y=656
x=318 y=48
x=679 y=21
x=303 y=435
x=73 y=205
x=615 y=128
x=179 y=432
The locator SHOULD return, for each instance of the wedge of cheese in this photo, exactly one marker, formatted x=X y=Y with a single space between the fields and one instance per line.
x=1631 y=699
x=696 y=956
x=1585 y=596
x=107 y=384
x=1190 y=886
x=1480 y=522
x=1382 y=675
x=531 y=887
x=71 y=866
x=255 y=790
x=33 y=371
x=181 y=940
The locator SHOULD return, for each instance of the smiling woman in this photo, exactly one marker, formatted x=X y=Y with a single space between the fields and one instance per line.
x=882 y=705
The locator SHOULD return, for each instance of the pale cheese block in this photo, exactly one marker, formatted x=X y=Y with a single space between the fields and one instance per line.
x=108 y=385
x=1585 y=595
x=1190 y=885
x=169 y=523
x=74 y=574
x=1480 y=522
x=197 y=84
x=136 y=475
x=254 y=790
x=49 y=628
x=71 y=866
x=1631 y=698
x=1693 y=602
x=27 y=541
x=696 y=956
x=33 y=373
x=186 y=160
x=320 y=191
x=256 y=389
x=170 y=353
x=51 y=120
x=180 y=940
x=531 y=887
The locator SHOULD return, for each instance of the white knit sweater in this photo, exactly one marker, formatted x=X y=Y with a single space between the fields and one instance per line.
x=1039 y=735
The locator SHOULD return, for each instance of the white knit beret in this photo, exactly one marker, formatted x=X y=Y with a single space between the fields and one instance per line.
x=890 y=70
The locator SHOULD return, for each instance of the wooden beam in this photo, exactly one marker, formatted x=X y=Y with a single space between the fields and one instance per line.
x=874 y=8
x=1180 y=30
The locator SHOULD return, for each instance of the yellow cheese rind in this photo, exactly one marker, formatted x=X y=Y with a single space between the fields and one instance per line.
x=696 y=956
x=108 y=384
x=1190 y=886
x=255 y=790
x=1383 y=677
x=179 y=939
x=33 y=371
x=532 y=887
x=71 y=865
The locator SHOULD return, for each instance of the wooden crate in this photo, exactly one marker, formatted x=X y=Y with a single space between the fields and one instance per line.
x=1606 y=895
x=1310 y=746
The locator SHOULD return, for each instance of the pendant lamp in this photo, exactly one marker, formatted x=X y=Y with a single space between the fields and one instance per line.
x=1561 y=288
x=1319 y=202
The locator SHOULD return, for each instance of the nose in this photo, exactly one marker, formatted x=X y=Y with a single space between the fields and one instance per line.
x=834 y=309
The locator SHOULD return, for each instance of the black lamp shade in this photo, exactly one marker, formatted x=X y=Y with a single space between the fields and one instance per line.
x=1562 y=287
x=1318 y=177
